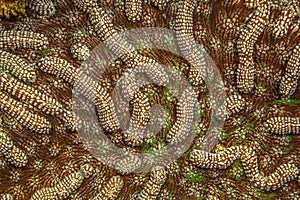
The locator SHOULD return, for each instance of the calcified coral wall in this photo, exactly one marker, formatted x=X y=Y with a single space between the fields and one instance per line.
x=255 y=46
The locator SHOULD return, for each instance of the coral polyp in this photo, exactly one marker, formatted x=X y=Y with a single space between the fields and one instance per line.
x=150 y=99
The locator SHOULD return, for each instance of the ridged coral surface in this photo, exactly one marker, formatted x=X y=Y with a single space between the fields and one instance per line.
x=87 y=108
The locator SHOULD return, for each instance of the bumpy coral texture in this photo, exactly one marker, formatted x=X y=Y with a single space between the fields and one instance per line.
x=255 y=45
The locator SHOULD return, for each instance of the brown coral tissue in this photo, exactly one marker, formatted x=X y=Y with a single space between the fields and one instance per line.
x=149 y=99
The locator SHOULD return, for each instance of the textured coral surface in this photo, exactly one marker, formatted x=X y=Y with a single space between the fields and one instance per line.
x=10 y=8
x=254 y=44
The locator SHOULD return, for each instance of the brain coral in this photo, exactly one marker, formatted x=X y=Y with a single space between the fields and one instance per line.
x=44 y=56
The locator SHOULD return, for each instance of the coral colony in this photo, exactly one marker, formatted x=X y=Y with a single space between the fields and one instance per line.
x=253 y=44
